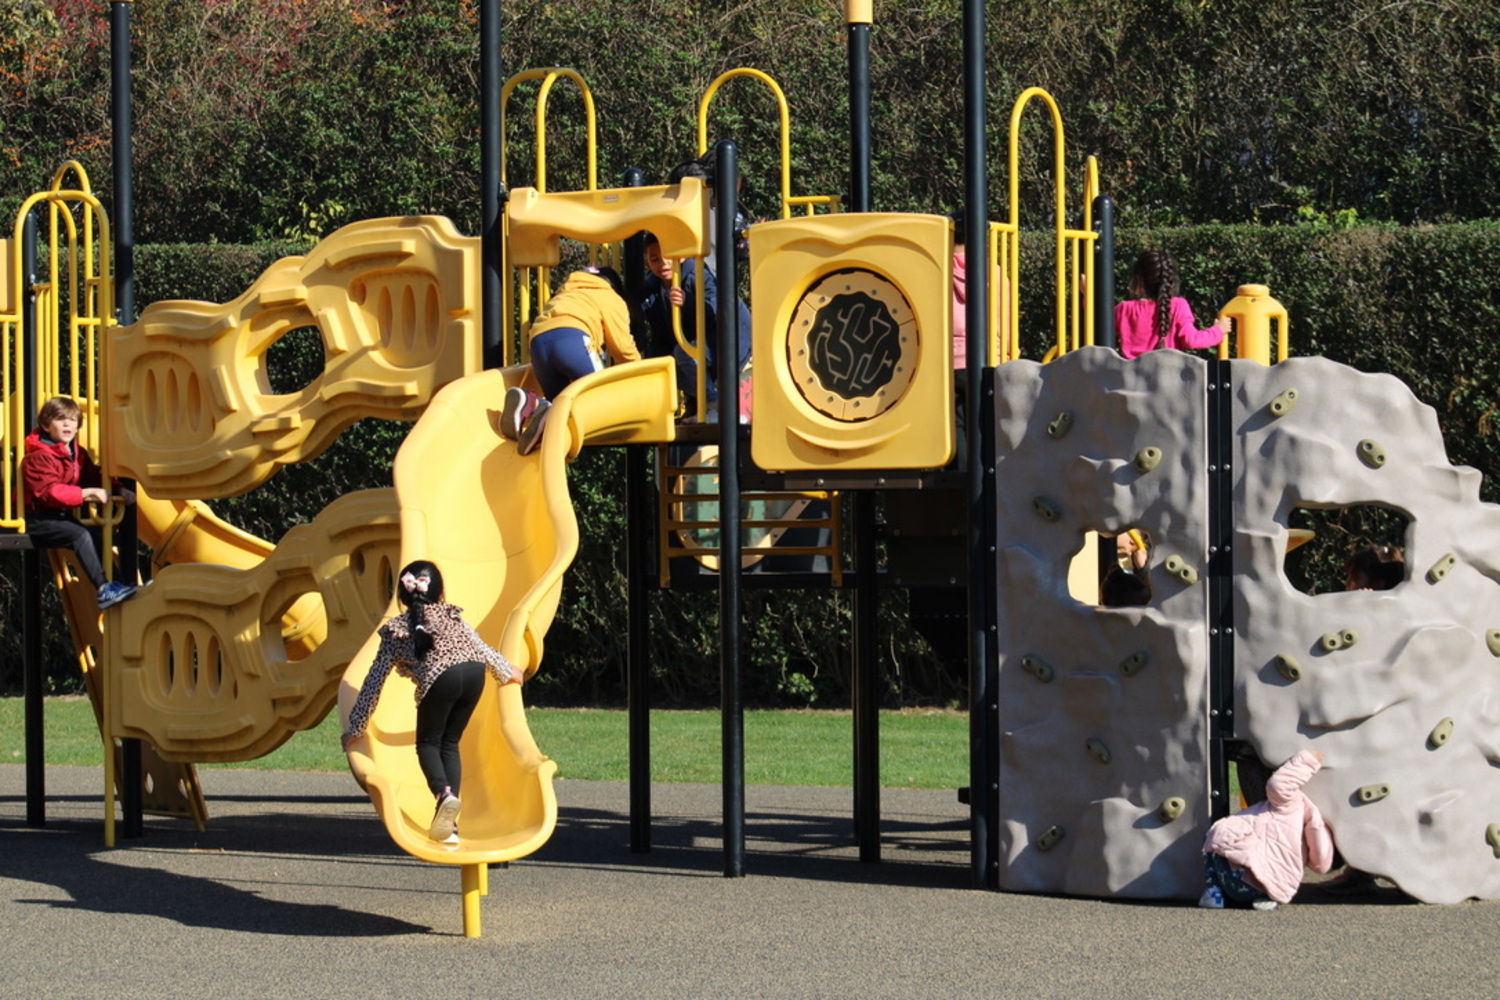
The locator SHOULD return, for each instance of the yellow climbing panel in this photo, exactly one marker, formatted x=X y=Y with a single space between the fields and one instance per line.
x=395 y=303
x=205 y=667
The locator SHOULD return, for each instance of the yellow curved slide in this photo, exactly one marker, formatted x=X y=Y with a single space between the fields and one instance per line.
x=501 y=527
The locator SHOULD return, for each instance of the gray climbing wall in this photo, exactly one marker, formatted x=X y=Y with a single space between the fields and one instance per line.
x=1104 y=711
x=1095 y=736
x=1408 y=713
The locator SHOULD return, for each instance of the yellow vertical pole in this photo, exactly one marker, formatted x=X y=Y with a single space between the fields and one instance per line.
x=472 y=877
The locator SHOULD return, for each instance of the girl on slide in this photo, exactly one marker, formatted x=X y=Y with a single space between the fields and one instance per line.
x=436 y=649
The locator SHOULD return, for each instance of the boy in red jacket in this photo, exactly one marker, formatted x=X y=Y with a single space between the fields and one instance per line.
x=59 y=477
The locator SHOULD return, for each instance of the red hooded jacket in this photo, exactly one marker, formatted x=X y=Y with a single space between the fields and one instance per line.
x=53 y=474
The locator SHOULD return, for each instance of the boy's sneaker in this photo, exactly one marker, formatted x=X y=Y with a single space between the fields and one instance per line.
x=1212 y=898
x=1263 y=903
x=520 y=404
x=445 y=820
x=531 y=434
x=113 y=593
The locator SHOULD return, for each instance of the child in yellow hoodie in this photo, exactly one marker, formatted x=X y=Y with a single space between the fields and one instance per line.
x=586 y=318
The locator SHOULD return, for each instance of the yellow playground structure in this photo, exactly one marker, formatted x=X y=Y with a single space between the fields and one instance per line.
x=1099 y=733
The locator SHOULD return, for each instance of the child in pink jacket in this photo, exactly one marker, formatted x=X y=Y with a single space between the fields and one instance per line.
x=1257 y=856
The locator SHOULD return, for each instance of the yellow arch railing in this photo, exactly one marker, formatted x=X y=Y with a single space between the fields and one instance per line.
x=518 y=297
x=1074 y=321
x=77 y=282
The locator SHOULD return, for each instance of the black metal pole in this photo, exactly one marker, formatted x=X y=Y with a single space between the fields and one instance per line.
x=641 y=531
x=31 y=559
x=865 y=678
x=491 y=189
x=1103 y=285
x=859 y=117
x=984 y=747
x=726 y=181
x=1220 y=426
x=132 y=807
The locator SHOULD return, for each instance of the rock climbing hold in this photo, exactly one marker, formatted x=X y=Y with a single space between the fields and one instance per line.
x=1288 y=667
x=1097 y=749
x=1373 y=793
x=1179 y=568
x=1492 y=837
x=1371 y=453
x=1037 y=667
x=1049 y=840
x=1147 y=459
x=1134 y=663
x=1048 y=509
x=1282 y=404
x=1329 y=642
x=1492 y=640
x=1171 y=808
x=1441 y=733
x=1441 y=568
x=1061 y=424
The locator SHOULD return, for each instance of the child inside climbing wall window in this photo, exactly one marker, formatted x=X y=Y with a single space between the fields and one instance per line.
x=1374 y=567
x=1156 y=316
x=1257 y=856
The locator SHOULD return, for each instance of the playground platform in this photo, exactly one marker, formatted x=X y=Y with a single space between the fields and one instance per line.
x=295 y=890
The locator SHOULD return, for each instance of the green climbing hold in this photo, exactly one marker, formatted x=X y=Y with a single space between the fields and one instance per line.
x=1049 y=840
x=1134 y=663
x=1288 y=667
x=1373 y=793
x=1282 y=404
x=1441 y=733
x=1147 y=459
x=1171 y=808
x=1371 y=453
x=1178 y=567
x=1037 y=667
x=1048 y=509
x=1441 y=568
x=1097 y=749
x=1061 y=424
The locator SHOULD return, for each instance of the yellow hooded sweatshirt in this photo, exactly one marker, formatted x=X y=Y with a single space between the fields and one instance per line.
x=587 y=302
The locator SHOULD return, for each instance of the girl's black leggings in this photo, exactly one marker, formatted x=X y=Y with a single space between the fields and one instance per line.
x=441 y=718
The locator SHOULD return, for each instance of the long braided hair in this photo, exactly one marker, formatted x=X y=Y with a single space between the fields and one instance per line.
x=419 y=585
x=1154 y=276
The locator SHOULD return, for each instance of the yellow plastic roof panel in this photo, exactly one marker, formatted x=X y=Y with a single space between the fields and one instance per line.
x=395 y=305
x=678 y=215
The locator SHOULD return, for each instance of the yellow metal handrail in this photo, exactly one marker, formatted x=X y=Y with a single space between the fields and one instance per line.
x=784 y=116
x=82 y=266
x=517 y=293
x=1074 y=323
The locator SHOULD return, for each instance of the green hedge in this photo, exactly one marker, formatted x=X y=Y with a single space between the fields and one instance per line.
x=1415 y=302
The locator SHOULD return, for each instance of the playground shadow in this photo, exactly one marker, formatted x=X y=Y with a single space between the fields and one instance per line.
x=780 y=844
x=67 y=855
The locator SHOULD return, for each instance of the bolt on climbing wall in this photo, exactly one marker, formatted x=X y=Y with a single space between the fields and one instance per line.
x=1399 y=688
x=1104 y=785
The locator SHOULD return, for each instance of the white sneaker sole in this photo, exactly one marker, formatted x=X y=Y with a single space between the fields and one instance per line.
x=447 y=815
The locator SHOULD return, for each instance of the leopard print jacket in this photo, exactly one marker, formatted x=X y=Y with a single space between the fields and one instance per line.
x=454 y=641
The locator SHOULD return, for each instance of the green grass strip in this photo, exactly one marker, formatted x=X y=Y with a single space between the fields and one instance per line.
x=918 y=749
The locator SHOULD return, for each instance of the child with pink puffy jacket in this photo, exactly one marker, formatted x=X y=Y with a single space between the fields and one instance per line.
x=1258 y=855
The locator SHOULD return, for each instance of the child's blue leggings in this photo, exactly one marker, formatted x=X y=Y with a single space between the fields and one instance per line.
x=561 y=356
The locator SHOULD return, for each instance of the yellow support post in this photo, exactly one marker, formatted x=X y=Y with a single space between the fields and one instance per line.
x=472 y=878
x=1253 y=309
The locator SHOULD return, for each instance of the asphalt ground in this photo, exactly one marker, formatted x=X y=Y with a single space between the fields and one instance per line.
x=295 y=891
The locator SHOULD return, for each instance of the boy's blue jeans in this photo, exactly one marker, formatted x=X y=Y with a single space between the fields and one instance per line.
x=1231 y=880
